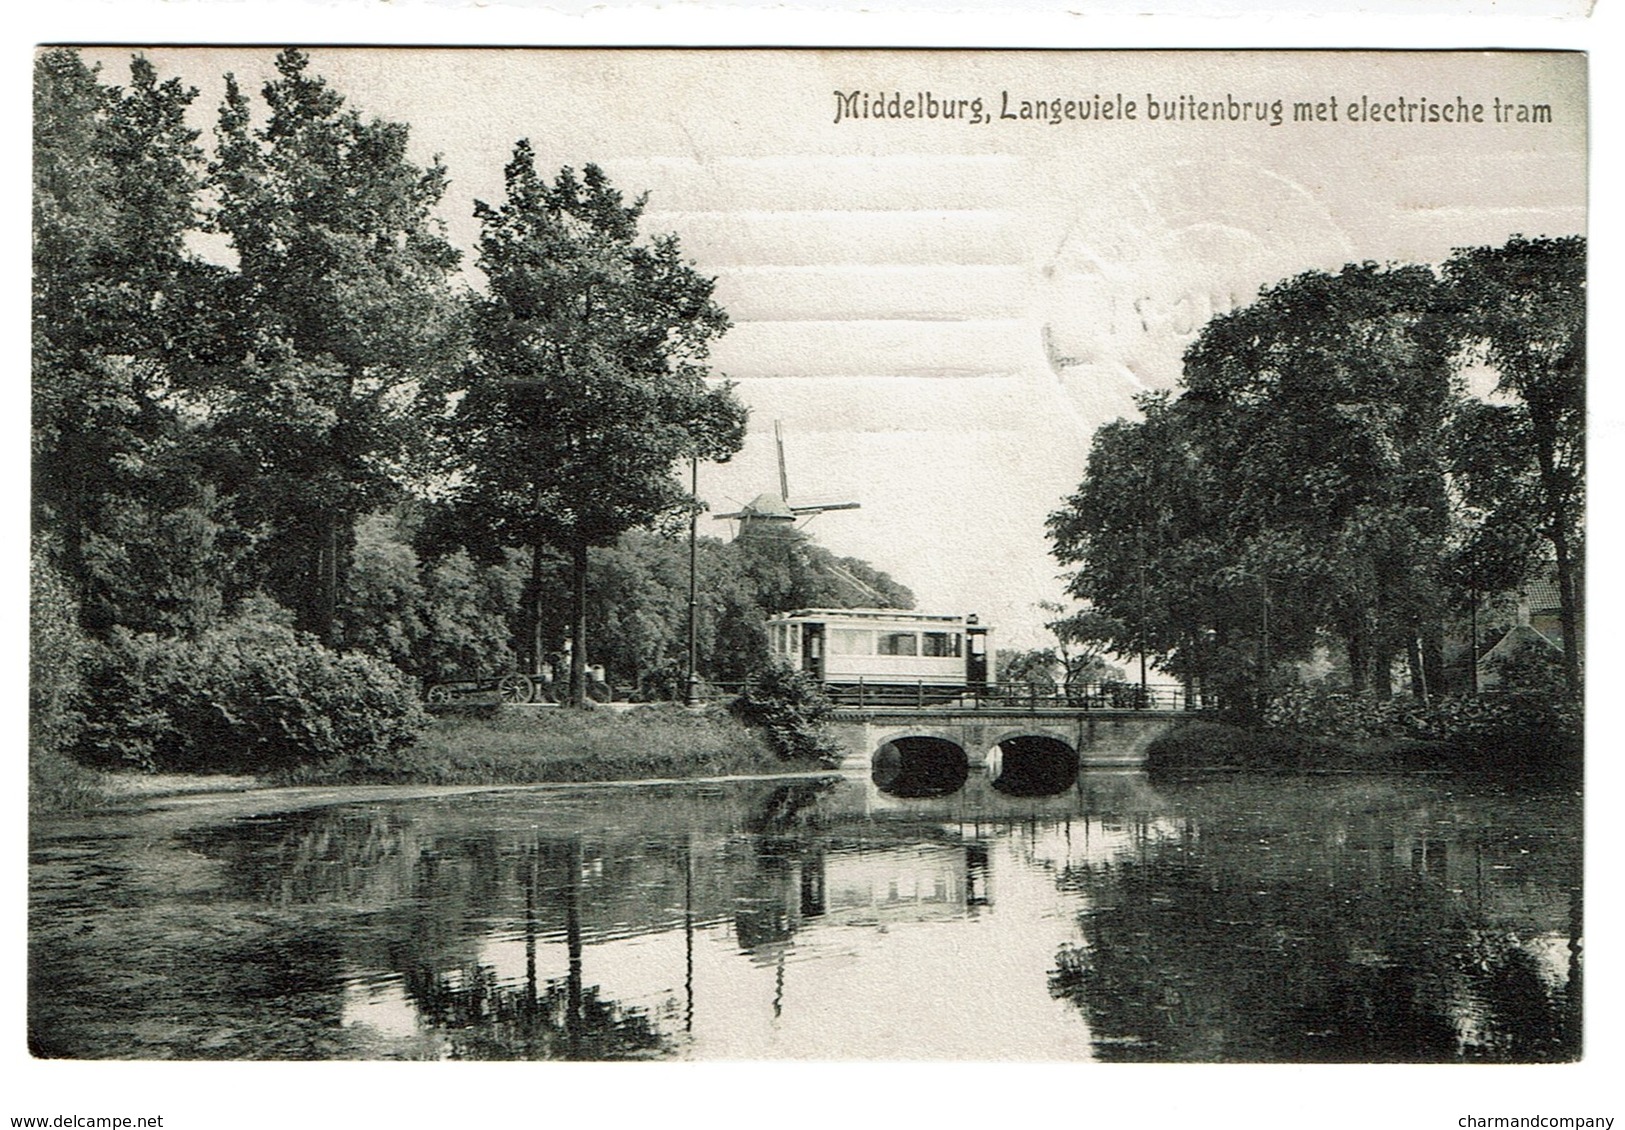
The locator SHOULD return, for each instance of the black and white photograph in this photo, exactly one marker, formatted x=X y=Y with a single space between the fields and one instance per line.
x=861 y=556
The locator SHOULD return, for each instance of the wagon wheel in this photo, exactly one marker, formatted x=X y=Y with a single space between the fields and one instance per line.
x=439 y=693
x=515 y=688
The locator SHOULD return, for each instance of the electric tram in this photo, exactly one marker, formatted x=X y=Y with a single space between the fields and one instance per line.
x=884 y=652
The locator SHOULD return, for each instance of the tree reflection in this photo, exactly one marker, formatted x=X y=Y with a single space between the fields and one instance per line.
x=783 y=881
x=1244 y=919
x=481 y=1018
x=1243 y=946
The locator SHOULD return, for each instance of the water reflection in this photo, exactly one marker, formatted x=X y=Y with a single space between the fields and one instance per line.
x=1283 y=919
x=1341 y=924
x=484 y=1016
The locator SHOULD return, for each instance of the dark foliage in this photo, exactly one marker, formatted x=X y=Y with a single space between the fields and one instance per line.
x=252 y=695
x=1323 y=475
x=791 y=708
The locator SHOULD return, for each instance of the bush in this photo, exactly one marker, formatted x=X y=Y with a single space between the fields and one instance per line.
x=1123 y=695
x=1461 y=719
x=1475 y=719
x=1217 y=745
x=1534 y=667
x=1331 y=713
x=251 y=695
x=791 y=709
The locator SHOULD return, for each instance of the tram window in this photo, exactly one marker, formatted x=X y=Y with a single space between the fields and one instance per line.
x=851 y=641
x=940 y=645
x=899 y=643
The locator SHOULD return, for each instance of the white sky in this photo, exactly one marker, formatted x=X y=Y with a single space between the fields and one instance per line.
x=942 y=313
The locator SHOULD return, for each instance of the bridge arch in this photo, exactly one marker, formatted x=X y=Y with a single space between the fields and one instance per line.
x=923 y=764
x=1027 y=764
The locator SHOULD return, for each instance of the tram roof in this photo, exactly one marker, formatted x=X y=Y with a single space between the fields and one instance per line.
x=895 y=615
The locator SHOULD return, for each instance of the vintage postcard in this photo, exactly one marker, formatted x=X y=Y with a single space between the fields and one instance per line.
x=842 y=555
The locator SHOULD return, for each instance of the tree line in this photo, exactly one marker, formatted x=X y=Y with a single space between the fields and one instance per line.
x=1324 y=479
x=321 y=429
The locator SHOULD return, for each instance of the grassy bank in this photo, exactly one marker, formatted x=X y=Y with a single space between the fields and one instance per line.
x=1203 y=746
x=482 y=746
x=60 y=784
x=513 y=747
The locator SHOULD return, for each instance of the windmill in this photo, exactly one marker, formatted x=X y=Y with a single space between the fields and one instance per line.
x=774 y=515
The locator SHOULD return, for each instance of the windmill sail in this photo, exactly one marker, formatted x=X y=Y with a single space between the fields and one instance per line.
x=774 y=515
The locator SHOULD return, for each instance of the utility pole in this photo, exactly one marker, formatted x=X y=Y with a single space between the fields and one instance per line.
x=691 y=684
x=1472 y=659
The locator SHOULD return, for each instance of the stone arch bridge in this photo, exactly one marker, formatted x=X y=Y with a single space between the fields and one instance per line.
x=987 y=738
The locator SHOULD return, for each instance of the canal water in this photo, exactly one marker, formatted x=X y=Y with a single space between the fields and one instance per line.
x=1232 y=918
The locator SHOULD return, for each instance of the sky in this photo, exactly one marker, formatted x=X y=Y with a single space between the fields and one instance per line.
x=942 y=310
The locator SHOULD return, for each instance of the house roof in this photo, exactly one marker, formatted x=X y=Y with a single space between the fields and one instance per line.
x=1543 y=596
x=1515 y=635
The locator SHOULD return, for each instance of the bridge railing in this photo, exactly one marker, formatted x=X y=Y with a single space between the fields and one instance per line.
x=1110 y=695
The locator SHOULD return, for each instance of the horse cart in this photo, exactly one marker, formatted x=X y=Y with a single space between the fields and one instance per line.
x=513 y=687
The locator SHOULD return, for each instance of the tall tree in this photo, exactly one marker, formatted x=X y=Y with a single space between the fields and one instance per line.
x=344 y=290
x=1164 y=573
x=589 y=379
x=1297 y=485
x=1145 y=531
x=121 y=307
x=1322 y=408
x=1521 y=309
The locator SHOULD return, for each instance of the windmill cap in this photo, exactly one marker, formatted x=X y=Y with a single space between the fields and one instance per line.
x=769 y=506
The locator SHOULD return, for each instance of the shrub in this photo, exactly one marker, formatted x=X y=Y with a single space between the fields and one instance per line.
x=1123 y=695
x=441 y=620
x=1330 y=713
x=251 y=695
x=1217 y=745
x=791 y=709
x=1475 y=719
x=1534 y=667
x=1465 y=720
